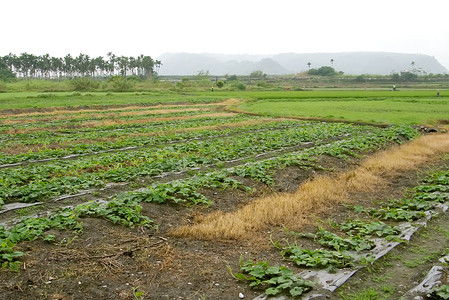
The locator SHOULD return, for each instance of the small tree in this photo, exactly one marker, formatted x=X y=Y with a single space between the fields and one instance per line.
x=322 y=71
x=84 y=84
x=120 y=84
x=257 y=74
x=231 y=78
x=219 y=83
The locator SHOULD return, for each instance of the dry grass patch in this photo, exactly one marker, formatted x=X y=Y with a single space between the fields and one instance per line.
x=317 y=195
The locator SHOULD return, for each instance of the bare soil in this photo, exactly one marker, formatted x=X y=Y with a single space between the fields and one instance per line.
x=108 y=261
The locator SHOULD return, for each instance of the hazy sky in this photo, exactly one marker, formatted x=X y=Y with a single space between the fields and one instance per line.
x=134 y=27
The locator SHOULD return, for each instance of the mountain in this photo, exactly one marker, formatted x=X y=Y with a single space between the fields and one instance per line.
x=191 y=64
x=381 y=63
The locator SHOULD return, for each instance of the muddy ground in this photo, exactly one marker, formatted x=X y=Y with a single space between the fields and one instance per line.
x=108 y=261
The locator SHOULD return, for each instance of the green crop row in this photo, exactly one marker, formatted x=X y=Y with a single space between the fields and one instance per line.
x=82 y=119
x=46 y=115
x=28 y=184
x=33 y=182
x=125 y=141
x=125 y=138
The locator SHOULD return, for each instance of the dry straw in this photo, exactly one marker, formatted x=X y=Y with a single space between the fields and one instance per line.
x=317 y=195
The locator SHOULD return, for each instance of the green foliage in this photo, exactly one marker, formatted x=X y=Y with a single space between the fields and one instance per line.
x=441 y=292
x=237 y=85
x=367 y=294
x=177 y=192
x=395 y=214
x=322 y=71
x=121 y=84
x=219 y=83
x=336 y=242
x=39 y=181
x=29 y=229
x=274 y=279
x=119 y=211
x=408 y=76
x=439 y=177
x=84 y=84
x=257 y=74
x=3 y=87
x=7 y=75
x=231 y=78
x=329 y=260
x=367 y=229
x=49 y=238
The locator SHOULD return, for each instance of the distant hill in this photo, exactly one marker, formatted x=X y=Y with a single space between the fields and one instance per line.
x=382 y=63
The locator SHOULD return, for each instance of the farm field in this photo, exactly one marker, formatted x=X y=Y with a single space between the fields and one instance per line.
x=159 y=199
x=400 y=107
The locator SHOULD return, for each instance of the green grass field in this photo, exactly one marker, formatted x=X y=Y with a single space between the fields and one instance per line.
x=376 y=106
x=407 y=107
x=74 y=99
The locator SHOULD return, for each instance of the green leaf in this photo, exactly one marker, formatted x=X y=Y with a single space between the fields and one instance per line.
x=296 y=291
x=272 y=291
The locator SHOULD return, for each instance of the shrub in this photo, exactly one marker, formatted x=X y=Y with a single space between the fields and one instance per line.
x=231 y=78
x=323 y=71
x=120 y=84
x=3 y=87
x=238 y=85
x=84 y=84
x=7 y=75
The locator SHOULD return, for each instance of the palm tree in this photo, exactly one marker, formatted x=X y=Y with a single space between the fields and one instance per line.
x=68 y=65
x=56 y=66
x=123 y=63
x=309 y=64
x=111 y=63
x=148 y=66
x=45 y=65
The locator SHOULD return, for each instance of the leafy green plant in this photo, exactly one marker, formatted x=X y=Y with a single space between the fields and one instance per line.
x=49 y=238
x=440 y=177
x=441 y=292
x=412 y=204
x=336 y=242
x=117 y=210
x=358 y=227
x=320 y=258
x=391 y=213
x=273 y=279
x=431 y=197
x=432 y=188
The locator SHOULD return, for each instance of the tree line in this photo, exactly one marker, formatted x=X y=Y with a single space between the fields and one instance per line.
x=48 y=67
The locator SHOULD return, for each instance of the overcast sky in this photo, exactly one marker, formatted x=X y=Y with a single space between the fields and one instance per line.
x=134 y=27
